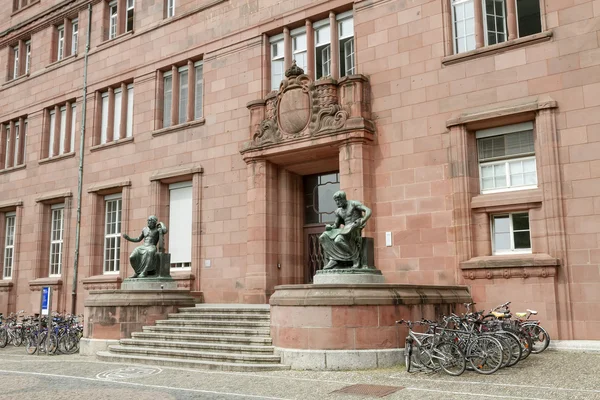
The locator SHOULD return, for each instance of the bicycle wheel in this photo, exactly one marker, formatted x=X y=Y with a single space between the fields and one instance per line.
x=450 y=358
x=69 y=343
x=540 y=339
x=485 y=354
x=524 y=340
x=17 y=339
x=53 y=343
x=3 y=337
x=408 y=353
x=505 y=349
x=31 y=347
x=515 y=347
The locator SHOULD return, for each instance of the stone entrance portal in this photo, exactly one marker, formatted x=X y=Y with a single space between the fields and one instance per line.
x=304 y=128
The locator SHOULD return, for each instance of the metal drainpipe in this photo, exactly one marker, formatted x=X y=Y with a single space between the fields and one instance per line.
x=80 y=175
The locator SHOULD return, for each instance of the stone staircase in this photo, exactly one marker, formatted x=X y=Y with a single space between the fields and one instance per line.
x=228 y=337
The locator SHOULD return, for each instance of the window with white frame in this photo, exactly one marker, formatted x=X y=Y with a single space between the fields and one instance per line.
x=494 y=21
x=74 y=35
x=181 y=96
x=112 y=20
x=9 y=245
x=277 y=61
x=15 y=66
x=511 y=233
x=130 y=7
x=112 y=233
x=118 y=103
x=7 y=147
x=27 y=56
x=61 y=129
x=506 y=158
x=56 y=239
x=322 y=48
x=180 y=219
x=299 y=48
x=170 y=8
x=14 y=146
x=60 y=46
x=463 y=25
x=346 y=38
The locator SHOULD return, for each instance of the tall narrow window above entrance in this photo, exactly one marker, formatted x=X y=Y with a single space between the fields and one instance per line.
x=130 y=7
x=61 y=43
x=322 y=48
x=299 y=47
x=346 y=37
x=319 y=206
x=277 y=61
x=180 y=221
x=112 y=23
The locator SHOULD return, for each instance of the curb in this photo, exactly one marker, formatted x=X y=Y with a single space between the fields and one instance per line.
x=591 y=346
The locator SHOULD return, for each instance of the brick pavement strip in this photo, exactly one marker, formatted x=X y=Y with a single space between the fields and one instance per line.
x=551 y=375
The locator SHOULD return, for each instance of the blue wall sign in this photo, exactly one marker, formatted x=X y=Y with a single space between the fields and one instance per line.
x=45 y=300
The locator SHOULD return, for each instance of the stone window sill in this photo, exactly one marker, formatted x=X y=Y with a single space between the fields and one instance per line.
x=24 y=8
x=12 y=169
x=175 y=128
x=114 y=143
x=522 y=199
x=56 y=158
x=116 y=39
x=37 y=284
x=497 y=48
x=62 y=60
x=16 y=80
x=6 y=284
x=510 y=261
x=101 y=187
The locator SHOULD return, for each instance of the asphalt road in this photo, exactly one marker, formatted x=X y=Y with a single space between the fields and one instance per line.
x=551 y=375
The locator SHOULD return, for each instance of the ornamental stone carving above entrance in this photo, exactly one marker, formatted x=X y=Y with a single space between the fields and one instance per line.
x=303 y=108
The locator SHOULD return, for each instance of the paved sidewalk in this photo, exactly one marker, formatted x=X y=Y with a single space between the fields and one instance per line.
x=551 y=375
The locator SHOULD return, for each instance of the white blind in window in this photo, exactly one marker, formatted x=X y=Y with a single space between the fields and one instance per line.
x=73 y=119
x=63 y=128
x=117 y=118
x=104 y=128
x=129 y=110
x=51 y=143
x=180 y=219
x=168 y=87
x=198 y=92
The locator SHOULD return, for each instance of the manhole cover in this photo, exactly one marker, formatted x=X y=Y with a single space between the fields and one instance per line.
x=369 y=390
x=129 y=373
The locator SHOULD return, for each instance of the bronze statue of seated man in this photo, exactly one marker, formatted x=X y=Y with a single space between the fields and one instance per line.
x=144 y=259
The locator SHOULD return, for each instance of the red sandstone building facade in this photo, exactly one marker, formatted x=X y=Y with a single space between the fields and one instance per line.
x=471 y=128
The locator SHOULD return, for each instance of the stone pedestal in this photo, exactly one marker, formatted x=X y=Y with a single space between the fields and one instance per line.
x=348 y=276
x=342 y=327
x=149 y=284
x=114 y=314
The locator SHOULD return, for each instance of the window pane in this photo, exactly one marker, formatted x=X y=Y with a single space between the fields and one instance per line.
x=346 y=28
x=63 y=127
x=501 y=233
x=528 y=17
x=469 y=10
x=183 y=96
x=520 y=221
x=104 y=128
x=180 y=219
x=323 y=61
x=117 y=116
x=276 y=74
x=168 y=88
x=323 y=35
x=502 y=241
x=198 y=92
x=73 y=120
x=129 y=130
x=51 y=142
x=522 y=240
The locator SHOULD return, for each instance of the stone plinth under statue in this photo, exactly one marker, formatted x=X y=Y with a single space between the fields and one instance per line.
x=149 y=295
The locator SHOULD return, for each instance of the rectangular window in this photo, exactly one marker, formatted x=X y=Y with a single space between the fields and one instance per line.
x=198 y=70
x=24 y=147
x=507 y=158
x=299 y=48
x=277 y=61
x=322 y=49
x=74 y=35
x=494 y=21
x=56 y=239
x=511 y=233
x=167 y=98
x=170 y=8
x=9 y=245
x=51 y=141
x=129 y=128
x=112 y=12
x=180 y=219
x=346 y=38
x=112 y=233
x=183 y=94
x=529 y=20
x=104 y=127
x=118 y=100
x=16 y=146
x=7 y=151
x=61 y=43
x=463 y=25
x=15 y=69
x=27 y=56
x=130 y=6
x=73 y=119
x=63 y=130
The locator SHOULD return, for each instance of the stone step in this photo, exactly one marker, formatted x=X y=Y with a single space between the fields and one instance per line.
x=221 y=316
x=188 y=363
x=188 y=354
x=224 y=309
x=199 y=346
x=205 y=330
x=214 y=323
x=181 y=337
